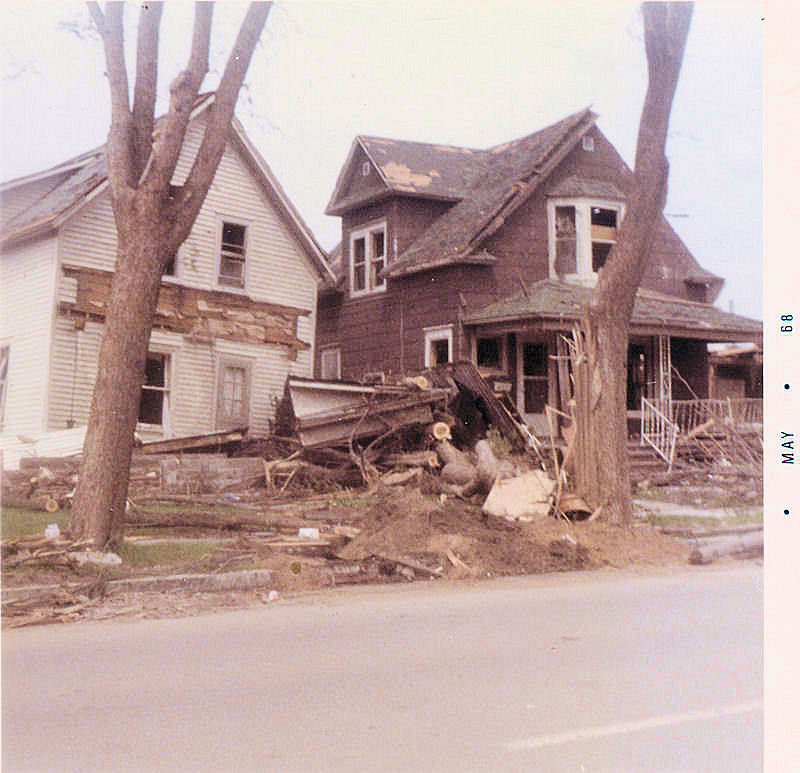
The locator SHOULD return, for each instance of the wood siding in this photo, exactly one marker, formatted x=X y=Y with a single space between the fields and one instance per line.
x=27 y=277
x=277 y=272
x=385 y=331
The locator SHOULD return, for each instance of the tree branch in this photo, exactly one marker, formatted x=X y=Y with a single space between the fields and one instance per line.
x=183 y=94
x=144 y=95
x=110 y=27
x=218 y=122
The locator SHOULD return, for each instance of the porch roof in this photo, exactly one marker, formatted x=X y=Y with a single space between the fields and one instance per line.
x=555 y=305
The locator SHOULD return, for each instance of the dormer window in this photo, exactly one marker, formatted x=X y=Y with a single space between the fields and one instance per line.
x=367 y=259
x=582 y=233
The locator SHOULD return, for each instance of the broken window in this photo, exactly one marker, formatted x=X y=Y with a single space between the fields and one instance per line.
x=233 y=395
x=367 y=259
x=331 y=363
x=604 y=235
x=154 y=399
x=582 y=235
x=566 y=241
x=4 y=354
x=232 y=255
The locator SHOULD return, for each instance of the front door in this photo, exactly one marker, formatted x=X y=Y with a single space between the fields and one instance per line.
x=533 y=384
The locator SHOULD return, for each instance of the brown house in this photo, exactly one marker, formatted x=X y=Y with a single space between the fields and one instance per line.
x=453 y=253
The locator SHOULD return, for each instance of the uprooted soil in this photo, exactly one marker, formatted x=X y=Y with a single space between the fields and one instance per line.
x=408 y=524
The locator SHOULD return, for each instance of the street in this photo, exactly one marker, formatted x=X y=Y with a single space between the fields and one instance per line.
x=600 y=671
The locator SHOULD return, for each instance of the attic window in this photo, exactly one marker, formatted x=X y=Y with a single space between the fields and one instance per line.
x=582 y=234
x=587 y=143
x=365 y=169
x=232 y=255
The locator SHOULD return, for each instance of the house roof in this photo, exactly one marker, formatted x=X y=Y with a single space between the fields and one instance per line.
x=562 y=304
x=485 y=186
x=511 y=173
x=79 y=179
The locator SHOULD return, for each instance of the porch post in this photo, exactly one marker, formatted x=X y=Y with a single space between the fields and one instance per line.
x=665 y=375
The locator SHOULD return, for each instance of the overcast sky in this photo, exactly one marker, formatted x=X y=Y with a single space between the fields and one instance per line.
x=465 y=73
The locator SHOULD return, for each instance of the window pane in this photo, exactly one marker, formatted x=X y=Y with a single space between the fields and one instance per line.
x=233 y=236
x=330 y=364
x=489 y=352
x=441 y=351
x=378 y=240
x=534 y=359
x=230 y=267
x=605 y=217
x=155 y=371
x=151 y=406
x=566 y=260
x=358 y=277
x=535 y=395
x=600 y=253
x=359 y=251
x=233 y=391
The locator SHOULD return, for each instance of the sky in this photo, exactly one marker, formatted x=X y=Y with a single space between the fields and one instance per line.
x=457 y=72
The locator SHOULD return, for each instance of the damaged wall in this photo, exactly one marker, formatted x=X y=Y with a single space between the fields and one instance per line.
x=268 y=327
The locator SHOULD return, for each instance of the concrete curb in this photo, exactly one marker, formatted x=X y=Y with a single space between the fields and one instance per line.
x=197 y=583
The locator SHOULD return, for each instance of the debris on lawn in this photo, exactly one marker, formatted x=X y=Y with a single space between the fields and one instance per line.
x=430 y=477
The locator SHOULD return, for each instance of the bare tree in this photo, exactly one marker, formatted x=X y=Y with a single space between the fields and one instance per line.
x=152 y=218
x=603 y=477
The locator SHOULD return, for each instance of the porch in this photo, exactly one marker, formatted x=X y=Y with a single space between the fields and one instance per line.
x=704 y=429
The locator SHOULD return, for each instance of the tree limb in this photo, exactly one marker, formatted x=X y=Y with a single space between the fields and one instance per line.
x=110 y=28
x=144 y=95
x=189 y=200
x=170 y=134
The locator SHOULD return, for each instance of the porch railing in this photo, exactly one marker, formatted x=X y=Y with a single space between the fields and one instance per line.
x=659 y=431
x=735 y=412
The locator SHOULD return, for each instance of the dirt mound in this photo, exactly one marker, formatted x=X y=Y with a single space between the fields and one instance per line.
x=456 y=539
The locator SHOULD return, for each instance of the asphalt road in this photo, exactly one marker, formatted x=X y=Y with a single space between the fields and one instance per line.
x=605 y=671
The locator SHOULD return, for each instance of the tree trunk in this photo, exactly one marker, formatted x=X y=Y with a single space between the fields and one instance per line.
x=606 y=323
x=152 y=218
x=98 y=508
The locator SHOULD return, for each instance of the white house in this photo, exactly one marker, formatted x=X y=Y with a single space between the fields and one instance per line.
x=236 y=314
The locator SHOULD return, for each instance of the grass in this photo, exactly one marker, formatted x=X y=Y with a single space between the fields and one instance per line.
x=139 y=556
x=19 y=522
x=738 y=517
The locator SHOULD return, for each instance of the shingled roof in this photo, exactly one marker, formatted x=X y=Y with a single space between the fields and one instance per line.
x=486 y=186
x=562 y=304
x=75 y=181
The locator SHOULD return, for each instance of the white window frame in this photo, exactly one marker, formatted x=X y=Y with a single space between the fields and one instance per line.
x=166 y=390
x=331 y=350
x=434 y=334
x=222 y=220
x=244 y=364
x=583 y=234
x=371 y=282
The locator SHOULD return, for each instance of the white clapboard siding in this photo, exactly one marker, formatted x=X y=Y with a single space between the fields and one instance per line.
x=277 y=272
x=27 y=277
x=73 y=369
